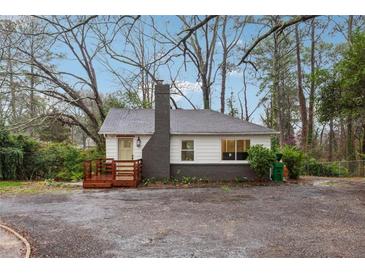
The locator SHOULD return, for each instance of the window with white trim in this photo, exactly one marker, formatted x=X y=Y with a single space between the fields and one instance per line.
x=235 y=149
x=187 y=150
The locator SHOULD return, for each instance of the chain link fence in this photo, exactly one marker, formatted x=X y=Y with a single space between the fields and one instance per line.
x=335 y=169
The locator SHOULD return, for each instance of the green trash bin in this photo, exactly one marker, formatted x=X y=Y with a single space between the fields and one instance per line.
x=278 y=156
x=277 y=172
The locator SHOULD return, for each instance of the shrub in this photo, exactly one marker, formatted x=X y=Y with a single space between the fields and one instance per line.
x=62 y=161
x=10 y=159
x=30 y=148
x=261 y=160
x=189 y=180
x=11 y=156
x=58 y=161
x=314 y=168
x=339 y=171
x=293 y=159
x=22 y=157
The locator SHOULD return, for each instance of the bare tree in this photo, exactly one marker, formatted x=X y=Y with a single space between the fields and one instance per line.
x=227 y=47
x=349 y=121
x=301 y=97
x=11 y=67
x=127 y=43
x=273 y=59
x=312 y=83
x=70 y=89
x=201 y=49
x=275 y=29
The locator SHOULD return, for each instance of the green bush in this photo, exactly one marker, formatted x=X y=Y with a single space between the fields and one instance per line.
x=261 y=160
x=313 y=168
x=62 y=161
x=293 y=159
x=11 y=156
x=22 y=157
x=29 y=147
x=339 y=171
x=10 y=159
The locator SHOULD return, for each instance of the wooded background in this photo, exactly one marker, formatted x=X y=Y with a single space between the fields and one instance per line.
x=310 y=85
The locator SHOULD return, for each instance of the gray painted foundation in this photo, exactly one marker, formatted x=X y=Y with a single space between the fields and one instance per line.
x=215 y=172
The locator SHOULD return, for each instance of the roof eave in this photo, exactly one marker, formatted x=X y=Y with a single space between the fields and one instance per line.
x=194 y=133
x=124 y=133
x=227 y=133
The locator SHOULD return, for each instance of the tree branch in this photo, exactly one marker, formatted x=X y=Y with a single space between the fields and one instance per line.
x=276 y=28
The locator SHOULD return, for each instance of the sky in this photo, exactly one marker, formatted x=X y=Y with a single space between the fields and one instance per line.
x=188 y=77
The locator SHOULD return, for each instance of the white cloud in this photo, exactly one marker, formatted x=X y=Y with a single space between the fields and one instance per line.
x=187 y=88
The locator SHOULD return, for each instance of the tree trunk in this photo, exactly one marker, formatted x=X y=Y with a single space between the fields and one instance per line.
x=330 y=141
x=247 y=117
x=223 y=85
x=32 y=86
x=363 y=142
x=31 y=99
x=312 y=88
x=224 y=65
x=350 y=134
x=321 y=137
x=11 y=86
x=276 y=117
x=302 y=103
x=350 y=139
x=206 y=94
x=342 y=138
x=349 y=33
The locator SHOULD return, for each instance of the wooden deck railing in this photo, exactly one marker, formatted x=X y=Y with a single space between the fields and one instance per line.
x=127 y=169
x=105 y=172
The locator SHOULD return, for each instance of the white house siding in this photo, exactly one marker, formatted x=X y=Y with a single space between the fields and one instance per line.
x=111 y=146
x=207 y=149
x=137 y=151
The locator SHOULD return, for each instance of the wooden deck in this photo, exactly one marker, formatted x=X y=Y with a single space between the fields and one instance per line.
x=106 y=173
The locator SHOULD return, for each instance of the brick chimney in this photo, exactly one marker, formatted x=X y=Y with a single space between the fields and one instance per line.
x=156 y=153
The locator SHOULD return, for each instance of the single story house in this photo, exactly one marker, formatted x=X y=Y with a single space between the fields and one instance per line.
x=194 y=143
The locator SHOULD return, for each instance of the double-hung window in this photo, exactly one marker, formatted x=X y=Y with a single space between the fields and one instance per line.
x=235 y=149
x=187 y=150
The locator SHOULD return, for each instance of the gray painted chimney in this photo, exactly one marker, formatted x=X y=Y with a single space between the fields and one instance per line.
x=156 y=153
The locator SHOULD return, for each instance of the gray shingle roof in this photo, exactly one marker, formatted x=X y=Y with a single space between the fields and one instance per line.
x=205 y=122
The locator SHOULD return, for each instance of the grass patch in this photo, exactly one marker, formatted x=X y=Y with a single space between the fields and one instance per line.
x=18 y=187
x=10 y=183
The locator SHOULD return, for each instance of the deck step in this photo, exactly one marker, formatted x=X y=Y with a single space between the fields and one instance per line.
x=125 y=183
x=96 y=184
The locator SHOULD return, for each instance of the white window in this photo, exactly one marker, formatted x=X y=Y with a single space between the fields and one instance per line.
x=187 y=150
x=235 y=149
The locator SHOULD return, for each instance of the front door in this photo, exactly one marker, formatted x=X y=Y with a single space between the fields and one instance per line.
x=125 y=151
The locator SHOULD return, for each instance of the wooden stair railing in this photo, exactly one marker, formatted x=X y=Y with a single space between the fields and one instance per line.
x=112 y=172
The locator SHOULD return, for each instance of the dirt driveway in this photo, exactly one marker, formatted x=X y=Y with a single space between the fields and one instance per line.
x=321 y=220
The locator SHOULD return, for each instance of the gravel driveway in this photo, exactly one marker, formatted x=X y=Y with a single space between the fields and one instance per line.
x=321 y=220
x=10 y=245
